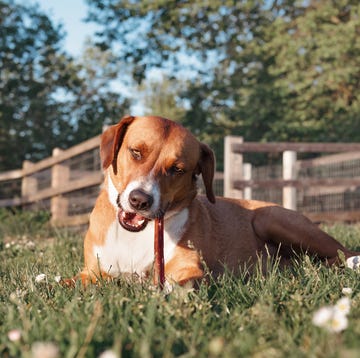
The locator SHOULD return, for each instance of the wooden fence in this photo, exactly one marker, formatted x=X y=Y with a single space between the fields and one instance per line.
x=68 y=182
x=332 y=182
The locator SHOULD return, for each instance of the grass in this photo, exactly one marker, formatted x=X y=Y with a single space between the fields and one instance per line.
x=260 y=317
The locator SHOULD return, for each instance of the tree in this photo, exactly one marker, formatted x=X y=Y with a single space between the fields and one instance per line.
x=316 y=71
x=213 y=41
x=47 y=100
x=267 y=70
x=161 y=96
x=95 y=102
x=33 y=69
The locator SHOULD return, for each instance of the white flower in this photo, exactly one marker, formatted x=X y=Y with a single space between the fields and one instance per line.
x=347 y=291
x=108 y=354
x=343 y=305
x=330 y=318
x=30 y=245
x=57 y=278
x=322 y=316
x=333 y=318
x=40 y=278
x=14 y=335
x=44 y=350
x=216 y=346
x=337 y=323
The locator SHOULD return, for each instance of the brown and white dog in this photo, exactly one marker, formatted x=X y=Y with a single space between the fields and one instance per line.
x=151 y=166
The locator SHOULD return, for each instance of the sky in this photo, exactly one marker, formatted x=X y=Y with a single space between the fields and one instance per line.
x=70 y=13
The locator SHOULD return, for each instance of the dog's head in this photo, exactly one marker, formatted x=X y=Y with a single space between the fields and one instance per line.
x=152 y=166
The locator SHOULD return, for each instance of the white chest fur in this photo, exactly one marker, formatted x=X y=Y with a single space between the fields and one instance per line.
x=129 y=252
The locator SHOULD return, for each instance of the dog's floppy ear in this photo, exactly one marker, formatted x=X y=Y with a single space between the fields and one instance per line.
x=111 y=141
x=207 y=169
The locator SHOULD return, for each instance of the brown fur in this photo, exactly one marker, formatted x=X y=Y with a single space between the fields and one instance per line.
x=220 y=232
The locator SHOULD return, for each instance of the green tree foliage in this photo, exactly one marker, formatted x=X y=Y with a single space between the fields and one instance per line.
x=47 y=100
x=316 y=71
x=267 y=70
x=95 y=101
x=161 y=96
x=32 y=69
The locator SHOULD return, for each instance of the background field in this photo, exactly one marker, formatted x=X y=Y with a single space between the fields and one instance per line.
x=260 y=317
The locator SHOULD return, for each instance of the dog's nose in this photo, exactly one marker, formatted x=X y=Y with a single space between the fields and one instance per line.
x=140 y=200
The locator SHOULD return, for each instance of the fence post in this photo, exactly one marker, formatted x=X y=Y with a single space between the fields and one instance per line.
x=289 y=173
x=60 y=174
x=247 y=170
x=232 y=167
x=29 y=184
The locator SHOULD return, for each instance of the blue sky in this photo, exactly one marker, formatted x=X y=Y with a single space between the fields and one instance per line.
x=70 y=13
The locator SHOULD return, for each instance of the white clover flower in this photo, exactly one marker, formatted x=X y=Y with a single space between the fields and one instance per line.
x=343 y=305
x=30 y=245
x=40 y=278
x=333 y=318
x=337 y=323
x=14 y=335
x=347 y=291
x=108 y=354
x=45 y=350
x=330 y=318
x=216 y=346
x=322 y=316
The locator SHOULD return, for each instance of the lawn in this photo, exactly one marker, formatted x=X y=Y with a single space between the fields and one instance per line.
x=258 y=317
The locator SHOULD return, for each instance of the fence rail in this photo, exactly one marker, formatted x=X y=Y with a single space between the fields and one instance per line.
x=296 y=183
x=279 y=147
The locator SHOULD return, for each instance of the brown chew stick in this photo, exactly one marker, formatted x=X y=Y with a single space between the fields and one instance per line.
x=159 y=271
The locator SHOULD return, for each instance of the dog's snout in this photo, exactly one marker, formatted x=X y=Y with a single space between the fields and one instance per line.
x=139 y=200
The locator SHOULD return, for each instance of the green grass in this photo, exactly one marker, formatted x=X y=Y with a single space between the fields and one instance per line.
x=261 y=317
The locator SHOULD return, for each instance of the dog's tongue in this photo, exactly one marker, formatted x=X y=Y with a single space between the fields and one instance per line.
x=133 y=218
x=132 y=221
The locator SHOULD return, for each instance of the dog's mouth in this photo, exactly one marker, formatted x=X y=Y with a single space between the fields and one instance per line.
x=132 y=221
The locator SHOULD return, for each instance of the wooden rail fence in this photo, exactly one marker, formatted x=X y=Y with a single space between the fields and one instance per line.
x=68 y=182
x=62 y=180
x=238 y=181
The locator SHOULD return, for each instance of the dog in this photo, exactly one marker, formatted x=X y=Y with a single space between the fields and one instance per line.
x=151 y=166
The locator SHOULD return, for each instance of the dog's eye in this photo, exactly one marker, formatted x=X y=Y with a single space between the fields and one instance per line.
x=175 y=170
x=135 y=153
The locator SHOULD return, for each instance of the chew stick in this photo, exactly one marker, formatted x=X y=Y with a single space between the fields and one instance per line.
x=159 y=270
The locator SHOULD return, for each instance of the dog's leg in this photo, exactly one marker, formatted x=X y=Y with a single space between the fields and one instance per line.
x=184 y=267
x=293 y=230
